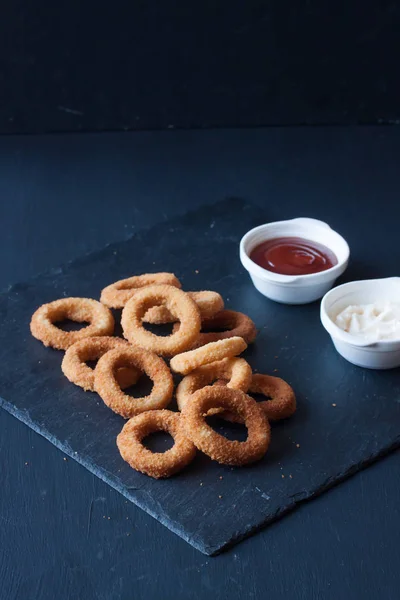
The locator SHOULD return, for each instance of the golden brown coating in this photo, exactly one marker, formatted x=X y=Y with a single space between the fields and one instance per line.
x=236 y=371
x=216 y=446
x=155 y=464
x=233 y=323
x=180 y=304
x=209 y=303
x=107 y=386
x=80 y=310
x=118 y=293
x=188 y=361
x=282 y=400
x=282 y=403
x=77 y=371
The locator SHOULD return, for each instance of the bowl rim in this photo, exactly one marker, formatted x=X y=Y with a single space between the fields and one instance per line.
x=350 y=339
x=331 y=273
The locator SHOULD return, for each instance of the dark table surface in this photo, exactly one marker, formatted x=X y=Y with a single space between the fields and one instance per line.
x=62 y=196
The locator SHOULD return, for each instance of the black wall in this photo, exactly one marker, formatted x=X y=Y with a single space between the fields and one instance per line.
x=76 y=65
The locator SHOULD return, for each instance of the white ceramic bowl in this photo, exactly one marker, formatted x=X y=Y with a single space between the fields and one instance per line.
x=294 y=289
x=377 y=355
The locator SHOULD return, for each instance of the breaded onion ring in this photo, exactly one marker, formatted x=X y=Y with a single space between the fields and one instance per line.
x=118 y=293
x=77 y=371
x=283 y=400
x=178 y=303
x=282 y=403
x=80 y=310
x=209 y=303
x=213 y=444
x=236 y=371
x=155 y=464
x=235 y=323
x=106 y=384
x=188 y=361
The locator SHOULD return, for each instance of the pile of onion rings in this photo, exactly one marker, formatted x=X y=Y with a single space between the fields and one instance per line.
x=203 y=348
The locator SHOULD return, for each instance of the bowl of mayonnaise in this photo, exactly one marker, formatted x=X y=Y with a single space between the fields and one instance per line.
x=363 y=320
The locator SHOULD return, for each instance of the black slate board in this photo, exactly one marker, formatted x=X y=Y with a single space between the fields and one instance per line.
x=208 y=505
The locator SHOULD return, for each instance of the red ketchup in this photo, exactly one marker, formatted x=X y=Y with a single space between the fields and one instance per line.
x=293 y=256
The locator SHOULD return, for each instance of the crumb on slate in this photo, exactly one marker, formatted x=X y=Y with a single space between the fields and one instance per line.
x=333 y=404
x=297 y=445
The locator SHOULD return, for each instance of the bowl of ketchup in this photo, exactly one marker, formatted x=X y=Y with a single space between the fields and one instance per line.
x=295 y=261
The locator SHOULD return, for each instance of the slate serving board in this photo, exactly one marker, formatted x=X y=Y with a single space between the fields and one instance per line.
x=346 y=418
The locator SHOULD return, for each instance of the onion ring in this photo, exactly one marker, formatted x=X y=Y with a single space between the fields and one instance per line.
x=188 y=361
x=213 y=444
x=178 y=303
x=282 y=404
x=283 y=400
x=77 y=371
x=209 y=303
x=76 y=309
x=236 y=370
x=107 y=386
x=118 y=293
x=235 y=323
x=155 y=464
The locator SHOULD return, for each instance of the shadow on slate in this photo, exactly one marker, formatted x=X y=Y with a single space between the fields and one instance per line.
x=208 y=505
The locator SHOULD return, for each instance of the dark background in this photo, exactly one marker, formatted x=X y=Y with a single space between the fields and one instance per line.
x=147 y=64
x=65 y=195
x=85 y=66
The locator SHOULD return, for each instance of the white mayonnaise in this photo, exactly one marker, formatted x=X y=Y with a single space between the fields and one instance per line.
x=374 y=322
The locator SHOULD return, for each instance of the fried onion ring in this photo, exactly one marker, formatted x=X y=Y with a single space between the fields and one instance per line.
x=216 y=446
x=236 y=371
x=106 y=384
x=80 y=310
x=188 y=361
x=209 y=303
x=178 y=303
x=77 y=371
x=155 y=464
x=118 y=293
x=283 y=400
x=235 y=323
x=282 y=403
